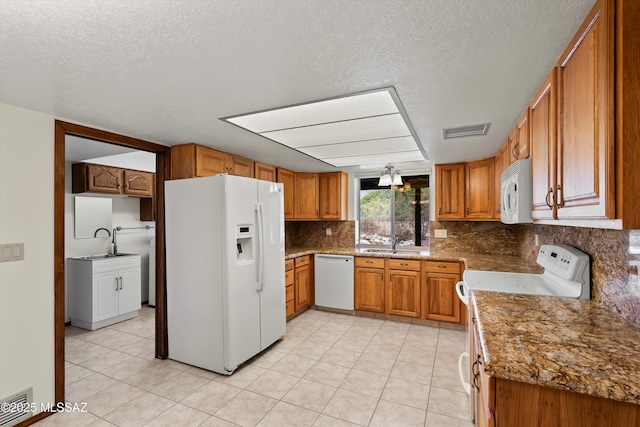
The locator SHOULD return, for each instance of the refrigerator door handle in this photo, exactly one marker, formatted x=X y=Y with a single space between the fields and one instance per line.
x=260 y=260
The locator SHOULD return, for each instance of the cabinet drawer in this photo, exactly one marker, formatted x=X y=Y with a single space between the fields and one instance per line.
x=301 y=261
x=290 y=308
x=288 y=277
x=288 y=265
x=289 y=293
x=404 y=264
x=442 y=267
x=369 y=262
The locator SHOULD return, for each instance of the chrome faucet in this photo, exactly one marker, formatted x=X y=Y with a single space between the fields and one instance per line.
x=394 y=243
x=115 y=241
x=101 y=228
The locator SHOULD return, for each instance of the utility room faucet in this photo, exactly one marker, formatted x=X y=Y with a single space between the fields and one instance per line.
x=102 y=228
x=394 y=243
x=115 y=241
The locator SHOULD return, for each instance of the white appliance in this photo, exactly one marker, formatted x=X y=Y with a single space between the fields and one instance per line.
x=516 y=193
x=567 y=273
x=334 y=281
x=225 y=269
x=152 y=273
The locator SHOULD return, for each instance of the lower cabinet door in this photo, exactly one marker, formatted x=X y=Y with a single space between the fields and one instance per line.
x=403 y=293
x=105 y=303
x=129 y=294
x=302 y=290
x=440 y=301
x=369 y=289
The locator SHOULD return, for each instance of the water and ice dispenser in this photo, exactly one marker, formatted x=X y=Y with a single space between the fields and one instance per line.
x=244 y=242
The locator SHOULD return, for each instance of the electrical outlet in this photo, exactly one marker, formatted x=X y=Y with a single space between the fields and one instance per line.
x=441 y=233
x=328 y=231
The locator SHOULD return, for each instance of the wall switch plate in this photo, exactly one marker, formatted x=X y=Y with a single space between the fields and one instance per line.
x=328 y=231
x=11 y=252
x=440 y=233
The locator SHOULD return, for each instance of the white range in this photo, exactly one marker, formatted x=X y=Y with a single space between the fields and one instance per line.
x=567 y=273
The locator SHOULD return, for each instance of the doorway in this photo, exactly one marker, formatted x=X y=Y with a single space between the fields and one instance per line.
x=163 y=165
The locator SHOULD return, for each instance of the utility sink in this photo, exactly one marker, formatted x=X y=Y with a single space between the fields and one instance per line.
x=104 y=256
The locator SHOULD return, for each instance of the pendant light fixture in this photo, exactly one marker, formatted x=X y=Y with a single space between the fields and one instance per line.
x=389 y=177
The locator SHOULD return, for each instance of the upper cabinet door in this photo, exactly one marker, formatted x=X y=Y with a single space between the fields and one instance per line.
x=104 y=179
x=522 y=136
x=285 y=176
x=585 y=187
x=333 y=195
x=240 y=166
x=264 y=172
x=306 y=199
x=450 y=191
x=210 y=162
x=138 y=183
x=544 y=127
x=479 y=191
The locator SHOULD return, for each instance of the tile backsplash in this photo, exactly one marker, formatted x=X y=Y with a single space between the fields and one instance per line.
x=314 y=233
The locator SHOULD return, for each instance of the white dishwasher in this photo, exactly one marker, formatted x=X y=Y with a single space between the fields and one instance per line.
x=334 y=281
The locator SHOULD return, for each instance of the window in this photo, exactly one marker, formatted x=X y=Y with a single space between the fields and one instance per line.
x=409 y=220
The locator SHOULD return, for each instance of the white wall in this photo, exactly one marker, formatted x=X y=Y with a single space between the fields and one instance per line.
x=125 y=213
x=26 y=287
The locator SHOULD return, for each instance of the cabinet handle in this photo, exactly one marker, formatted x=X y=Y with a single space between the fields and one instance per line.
x=557 y=199
x=467 y=210
x=476 y=374
x=442 y=266
x=404 y=263
x=369 y=262
x=440 y=211
x=547 y=198
x=116 y=283
x=514 y=151
x=120 y=282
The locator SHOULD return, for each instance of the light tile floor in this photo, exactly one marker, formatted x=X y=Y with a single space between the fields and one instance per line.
x=329 y=370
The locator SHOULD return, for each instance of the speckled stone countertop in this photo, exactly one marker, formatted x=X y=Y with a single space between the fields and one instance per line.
x=472 y=261
x=561 y=343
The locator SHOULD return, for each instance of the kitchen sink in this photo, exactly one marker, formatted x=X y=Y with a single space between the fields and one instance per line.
x=389 y=251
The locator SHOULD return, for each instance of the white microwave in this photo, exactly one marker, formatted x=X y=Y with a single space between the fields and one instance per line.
x=516 y=193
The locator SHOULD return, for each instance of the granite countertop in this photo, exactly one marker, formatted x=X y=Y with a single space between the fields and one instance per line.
x=472 y=261
x=561 y=343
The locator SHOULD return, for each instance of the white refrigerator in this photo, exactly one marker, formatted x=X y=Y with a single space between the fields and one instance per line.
x=225 y=269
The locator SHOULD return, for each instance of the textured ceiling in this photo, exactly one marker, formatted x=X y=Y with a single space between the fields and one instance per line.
x=167 y=70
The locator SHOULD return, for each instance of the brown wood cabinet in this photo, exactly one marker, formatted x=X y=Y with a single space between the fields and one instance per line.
x=543 y=128
x=479 y=191
x=303 y=283
x=90 y=178
x=497 y=166
x=193 y=160
x=439 y=298
x=450 y=184
x=286 y=178
x=585 y=174
x=306 y=195
x=369 y=284
x=403 y=288
x=333 y=195
x=138 y=184
x=522 y=136
x=264 y=172
x=289 y=283
x=513 y=146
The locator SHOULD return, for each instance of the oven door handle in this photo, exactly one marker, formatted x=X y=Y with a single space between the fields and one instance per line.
x=460 y=290
x=461 y=364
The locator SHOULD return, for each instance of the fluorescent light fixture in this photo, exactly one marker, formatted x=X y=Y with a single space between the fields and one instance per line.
x=354 y=130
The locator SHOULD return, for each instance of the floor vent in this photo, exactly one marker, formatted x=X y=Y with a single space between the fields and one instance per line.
x=474 y=130
x=9 y=414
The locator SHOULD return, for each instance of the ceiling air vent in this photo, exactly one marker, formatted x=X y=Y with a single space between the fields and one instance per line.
x=474 y=130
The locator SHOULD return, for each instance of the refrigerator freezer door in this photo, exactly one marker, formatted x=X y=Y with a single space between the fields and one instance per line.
x=272 y=296
x=241 y=298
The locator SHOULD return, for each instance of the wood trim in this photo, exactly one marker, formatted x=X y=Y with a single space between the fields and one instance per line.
x=35 y=419
x=163 y=163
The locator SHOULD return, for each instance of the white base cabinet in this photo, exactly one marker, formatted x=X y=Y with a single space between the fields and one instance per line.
x=103 y=291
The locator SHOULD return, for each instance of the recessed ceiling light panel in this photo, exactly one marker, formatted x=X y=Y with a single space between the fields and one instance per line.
x=359 y=129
